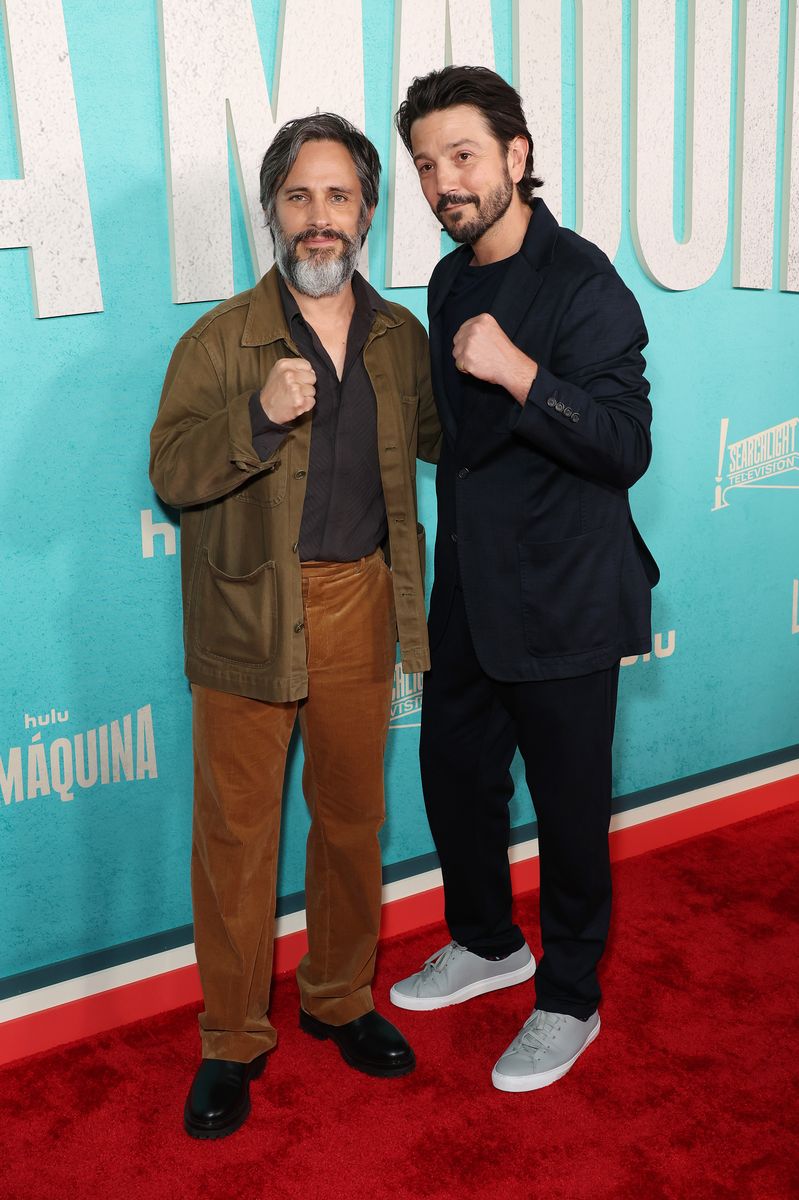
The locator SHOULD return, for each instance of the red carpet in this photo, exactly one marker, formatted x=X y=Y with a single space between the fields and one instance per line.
x=688 y=1093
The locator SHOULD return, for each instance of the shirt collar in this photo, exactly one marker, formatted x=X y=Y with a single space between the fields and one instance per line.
x=268 y=315
x=367 y=300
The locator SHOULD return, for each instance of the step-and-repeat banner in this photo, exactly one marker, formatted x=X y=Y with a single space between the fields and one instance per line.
x=130 y=140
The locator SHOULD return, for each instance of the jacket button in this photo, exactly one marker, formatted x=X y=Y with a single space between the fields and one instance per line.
x=464 y=471
x=559 y=406
x=567 y=412
x=298 y=628
x=299 y=474
x=454 y=537
x=575 y=417
x=551 y=401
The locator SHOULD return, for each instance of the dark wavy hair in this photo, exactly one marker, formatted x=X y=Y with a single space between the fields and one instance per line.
x=496 y=100
x=320 y=127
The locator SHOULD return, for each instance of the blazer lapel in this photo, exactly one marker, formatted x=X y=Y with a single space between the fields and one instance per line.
x=518 y=291
x=511 y=304
x=516 y=295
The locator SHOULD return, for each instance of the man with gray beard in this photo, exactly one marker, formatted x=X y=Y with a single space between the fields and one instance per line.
x=289 y=426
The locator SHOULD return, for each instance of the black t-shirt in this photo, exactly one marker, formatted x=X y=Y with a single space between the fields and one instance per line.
x=473 y=291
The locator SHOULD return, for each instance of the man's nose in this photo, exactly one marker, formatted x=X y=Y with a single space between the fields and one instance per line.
x=446 y=179
x=317 y=213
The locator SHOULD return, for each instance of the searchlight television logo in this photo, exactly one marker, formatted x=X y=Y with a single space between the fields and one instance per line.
x=769 y=459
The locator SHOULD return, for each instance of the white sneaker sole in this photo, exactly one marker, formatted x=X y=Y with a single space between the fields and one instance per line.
x=479 y=988
x=540 y=1079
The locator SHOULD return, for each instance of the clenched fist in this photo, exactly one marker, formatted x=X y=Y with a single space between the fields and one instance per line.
x=482 y=348
x=289 y=391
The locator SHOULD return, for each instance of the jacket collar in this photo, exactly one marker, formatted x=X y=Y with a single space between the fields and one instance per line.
x=535 y=252
x=266 y=318
x=511 y=303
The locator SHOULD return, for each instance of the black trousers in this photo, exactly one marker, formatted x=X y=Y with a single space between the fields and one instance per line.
x=471 y=728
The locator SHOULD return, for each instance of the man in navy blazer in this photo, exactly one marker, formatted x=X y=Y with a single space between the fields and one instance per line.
x=542 y=581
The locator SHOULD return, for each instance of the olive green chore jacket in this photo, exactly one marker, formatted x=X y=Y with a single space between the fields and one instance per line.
x=240 y=517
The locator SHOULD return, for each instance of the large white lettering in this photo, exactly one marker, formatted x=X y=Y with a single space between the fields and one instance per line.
x=537 y=74
x=789 y=264
x=687 y=264
x=215 y=94
x=756 y=149
x=598 y=94
x=214 y=88
x=48 y=208
x=598 y=56
x=430 y=34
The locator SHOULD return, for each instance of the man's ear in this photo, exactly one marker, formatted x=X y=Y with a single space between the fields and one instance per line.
x=517 y=157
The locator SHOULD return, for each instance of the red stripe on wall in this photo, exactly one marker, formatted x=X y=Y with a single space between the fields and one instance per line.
x=94 y=1014
x=118 y=1006
x=676 y=827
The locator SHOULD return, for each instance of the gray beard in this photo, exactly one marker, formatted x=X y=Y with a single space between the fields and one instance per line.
x=323 y=273
x=495 y=205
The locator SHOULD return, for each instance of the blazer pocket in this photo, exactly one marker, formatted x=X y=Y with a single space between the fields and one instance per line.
x=570 y=593
x=235 y=616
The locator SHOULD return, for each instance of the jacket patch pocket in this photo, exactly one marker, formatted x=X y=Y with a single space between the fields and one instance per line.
x=235 y=616
x=570 y=593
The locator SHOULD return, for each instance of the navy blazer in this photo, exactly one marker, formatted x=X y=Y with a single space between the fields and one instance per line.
x=533 y=513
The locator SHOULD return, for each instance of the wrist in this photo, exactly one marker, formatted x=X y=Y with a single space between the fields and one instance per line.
x=522 y=377
x=262 y=400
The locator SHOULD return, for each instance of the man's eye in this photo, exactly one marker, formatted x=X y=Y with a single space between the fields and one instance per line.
x=297 y=196
x=340 y=199
x=464 y=154
x=424 y=168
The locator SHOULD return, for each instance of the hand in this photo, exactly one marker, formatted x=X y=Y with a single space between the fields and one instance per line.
x=481 y=348
x=289 y=391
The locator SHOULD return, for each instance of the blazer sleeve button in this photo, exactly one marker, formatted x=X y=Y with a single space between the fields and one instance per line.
x=575 y=417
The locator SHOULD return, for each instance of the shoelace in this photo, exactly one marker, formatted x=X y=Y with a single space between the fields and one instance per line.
x=538 y=1029
x=441 y=959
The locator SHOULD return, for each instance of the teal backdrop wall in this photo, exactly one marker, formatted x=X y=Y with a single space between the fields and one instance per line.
x=94 y=862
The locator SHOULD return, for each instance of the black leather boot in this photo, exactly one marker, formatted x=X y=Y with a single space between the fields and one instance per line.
x=218 y=1102
x=369 y=1043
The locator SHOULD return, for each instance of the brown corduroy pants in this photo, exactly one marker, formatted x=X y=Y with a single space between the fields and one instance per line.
x=240 y=748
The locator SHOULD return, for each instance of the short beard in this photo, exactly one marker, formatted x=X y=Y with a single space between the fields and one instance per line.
x=489 y=211
x=323 y=273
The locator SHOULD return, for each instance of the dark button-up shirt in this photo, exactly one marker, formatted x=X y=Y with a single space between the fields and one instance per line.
x=344 y=514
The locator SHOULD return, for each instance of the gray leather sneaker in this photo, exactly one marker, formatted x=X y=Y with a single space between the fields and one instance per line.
x=548 y=1045
x=454 y=974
